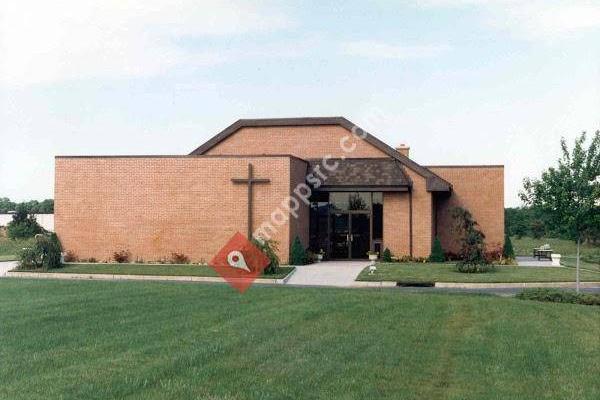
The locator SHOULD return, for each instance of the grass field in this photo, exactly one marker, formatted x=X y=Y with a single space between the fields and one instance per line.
x=9 y=248
x=140 y=340
x=590 y=255
x=571 y=262
x=525 y=245
x=152 y=269
x=427 y=273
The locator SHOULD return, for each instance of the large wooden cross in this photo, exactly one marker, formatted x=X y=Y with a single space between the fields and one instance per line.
x=251 y=180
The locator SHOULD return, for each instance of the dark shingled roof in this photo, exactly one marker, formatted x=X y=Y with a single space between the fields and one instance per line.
x=362 y=172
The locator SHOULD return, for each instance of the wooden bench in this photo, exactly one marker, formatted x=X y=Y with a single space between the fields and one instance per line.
x=542 y=253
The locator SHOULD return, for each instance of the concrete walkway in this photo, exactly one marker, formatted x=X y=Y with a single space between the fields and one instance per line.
x=329 y=273
x=6 y=266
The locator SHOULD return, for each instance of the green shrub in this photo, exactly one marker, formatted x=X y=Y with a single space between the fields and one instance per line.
x=472 y=251
x=437 y=252
x=29 y=258
x=45 y=253
x=560 y=296
x=298 y=253
x=51 y=249
x=387 y=255
x=507 y=250
x=23 y=225
x=470 y=268
x=270 y=248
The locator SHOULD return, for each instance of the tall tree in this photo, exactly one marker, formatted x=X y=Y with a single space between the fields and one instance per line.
x=568 y=195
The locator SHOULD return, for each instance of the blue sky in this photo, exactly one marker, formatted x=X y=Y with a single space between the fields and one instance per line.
x=460 y=81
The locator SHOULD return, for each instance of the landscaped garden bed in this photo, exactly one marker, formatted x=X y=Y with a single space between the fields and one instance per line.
x=423 y=273
x=149 y=269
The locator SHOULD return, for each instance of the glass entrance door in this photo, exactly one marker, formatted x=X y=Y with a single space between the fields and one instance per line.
x=350 y=235
x=360 y=235
x=340 y=235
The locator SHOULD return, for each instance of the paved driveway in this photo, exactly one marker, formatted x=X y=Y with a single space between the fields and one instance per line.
x=329 y=273
x=6 y=266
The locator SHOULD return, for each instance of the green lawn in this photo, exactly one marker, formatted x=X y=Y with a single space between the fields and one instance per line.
x=571 y=262
x=141 y=340
x=525 y=245
x=590 y=254
x=426 y=273
x=9 y=248
x=152 y=269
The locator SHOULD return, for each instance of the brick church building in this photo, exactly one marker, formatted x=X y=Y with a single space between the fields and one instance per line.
x=324 y=180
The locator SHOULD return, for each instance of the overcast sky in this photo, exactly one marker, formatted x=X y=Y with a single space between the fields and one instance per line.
x=460 y=81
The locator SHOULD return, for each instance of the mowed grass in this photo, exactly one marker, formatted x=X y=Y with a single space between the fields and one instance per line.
x=141 y=340
x=525 y=245
x=571 y=262
x=152 y=269
x=590 y=254
x=10 y=248
x=432 y=272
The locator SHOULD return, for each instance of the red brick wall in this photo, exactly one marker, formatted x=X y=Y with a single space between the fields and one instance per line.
x=153 y=206
x=422 y=210
x=481 y=191
x=396 y=232
x=301 y=141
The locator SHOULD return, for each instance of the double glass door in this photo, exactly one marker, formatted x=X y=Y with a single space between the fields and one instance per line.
x=350 y=234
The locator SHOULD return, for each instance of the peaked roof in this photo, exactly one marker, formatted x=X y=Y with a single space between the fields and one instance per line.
x=434 y=182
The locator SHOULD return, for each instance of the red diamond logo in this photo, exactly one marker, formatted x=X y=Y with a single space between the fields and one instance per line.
x=239 y=262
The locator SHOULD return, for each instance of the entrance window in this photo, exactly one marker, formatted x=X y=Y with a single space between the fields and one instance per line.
x=319 y=215
x=377 y=215
x=350 y=201
x=346 y=224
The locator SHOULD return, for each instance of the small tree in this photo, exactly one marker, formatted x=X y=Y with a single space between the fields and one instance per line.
x=298 y=253
x=568 y=195
x=437 y=252
x=45 y=253
x=23 y=225
x=472 y=242
x=507 y=251
x=387 y=255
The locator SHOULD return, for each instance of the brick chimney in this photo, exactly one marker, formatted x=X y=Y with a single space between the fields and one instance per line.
x=403 y=149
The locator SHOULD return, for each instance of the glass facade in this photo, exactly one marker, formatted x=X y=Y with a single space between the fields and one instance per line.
x=345 y=224
x=377 y=215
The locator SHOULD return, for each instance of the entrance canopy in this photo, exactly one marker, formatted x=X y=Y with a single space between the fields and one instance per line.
x=359 y=174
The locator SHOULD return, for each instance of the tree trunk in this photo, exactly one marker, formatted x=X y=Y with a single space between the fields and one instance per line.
x=577 y=268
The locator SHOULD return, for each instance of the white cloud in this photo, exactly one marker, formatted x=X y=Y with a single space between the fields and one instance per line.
x=534 y=19
x=374 y=49
x=50 y=41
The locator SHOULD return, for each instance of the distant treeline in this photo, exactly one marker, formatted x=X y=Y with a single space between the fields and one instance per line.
x=525 y=221
x=32 y=206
